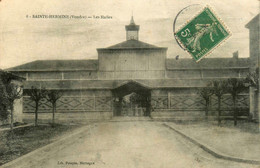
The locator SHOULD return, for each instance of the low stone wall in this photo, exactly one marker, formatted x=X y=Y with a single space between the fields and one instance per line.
x=74 y=106
x=178 y=115
x=71 y=104
x=171 y=103
x=186 y=104
x=76 y=117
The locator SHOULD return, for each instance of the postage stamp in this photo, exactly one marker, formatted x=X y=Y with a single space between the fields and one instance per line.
x=201 y=35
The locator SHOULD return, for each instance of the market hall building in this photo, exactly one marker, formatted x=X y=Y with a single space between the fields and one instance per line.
x=102 y=88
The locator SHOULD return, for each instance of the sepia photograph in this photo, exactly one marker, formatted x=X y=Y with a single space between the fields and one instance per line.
x=129 y=84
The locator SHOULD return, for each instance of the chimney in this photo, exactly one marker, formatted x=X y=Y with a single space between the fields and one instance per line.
x=235 y=55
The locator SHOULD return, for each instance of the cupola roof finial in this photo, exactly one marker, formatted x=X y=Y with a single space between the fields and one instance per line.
x=132 y=30
x=132 y=19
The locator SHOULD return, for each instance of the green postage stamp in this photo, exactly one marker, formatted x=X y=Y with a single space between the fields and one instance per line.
x=202 y=34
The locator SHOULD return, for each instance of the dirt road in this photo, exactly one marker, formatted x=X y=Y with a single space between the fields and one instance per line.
x=135 y=144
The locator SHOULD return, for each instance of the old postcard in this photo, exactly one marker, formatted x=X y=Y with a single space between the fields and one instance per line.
x=129 y=84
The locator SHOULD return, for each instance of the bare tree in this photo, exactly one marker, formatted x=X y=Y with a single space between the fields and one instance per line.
x=52 y=96
x=219 y=89
x=205 y=93
x=234 y=87
x=36 y=95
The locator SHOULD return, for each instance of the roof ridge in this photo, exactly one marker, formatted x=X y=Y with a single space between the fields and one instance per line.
x=57 y=64
x=132 y=44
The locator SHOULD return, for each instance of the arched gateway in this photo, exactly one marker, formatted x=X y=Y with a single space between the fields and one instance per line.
x=139 y=100
x=132 y=78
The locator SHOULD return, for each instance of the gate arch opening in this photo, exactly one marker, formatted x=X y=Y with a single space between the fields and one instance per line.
x=132 y=99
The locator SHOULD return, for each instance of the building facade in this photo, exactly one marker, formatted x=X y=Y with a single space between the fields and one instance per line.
x=254 y=50
x=95 y=89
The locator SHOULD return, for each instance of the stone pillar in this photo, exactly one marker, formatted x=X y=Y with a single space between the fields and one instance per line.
x=258 y=107
x=258 y=65
x=253 y=103
x=258 y=104
x=18 y=103
x=18 y=110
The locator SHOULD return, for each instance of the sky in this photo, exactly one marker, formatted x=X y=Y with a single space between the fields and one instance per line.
x=23 y=40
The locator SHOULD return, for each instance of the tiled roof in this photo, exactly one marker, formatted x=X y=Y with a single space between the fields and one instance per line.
x=207 y=63
x=133 y=44
x=171 y=64
x=57 y=65
x=132 y=25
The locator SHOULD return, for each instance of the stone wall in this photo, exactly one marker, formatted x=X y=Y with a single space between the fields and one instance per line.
x=206 y=73
x=186 y=103
x=254 y=45
x=18 y=110
x=81 y=104
x=80 y=75
x=131 y=64
x=254 y=96
x=73 y=117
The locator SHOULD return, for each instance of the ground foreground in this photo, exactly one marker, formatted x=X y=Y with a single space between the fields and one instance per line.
x=26 y=139
x=142 y=144
x=241 y=141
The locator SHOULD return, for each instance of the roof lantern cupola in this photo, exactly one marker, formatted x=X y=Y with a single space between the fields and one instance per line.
x=132 y=30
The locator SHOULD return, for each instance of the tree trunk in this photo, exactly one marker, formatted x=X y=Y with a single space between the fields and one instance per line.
x=219 y=110
x=36 y=114
x=207 y=109
x=53 y=112
x=12 y=116
x=120 y=106
x=235 y=111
